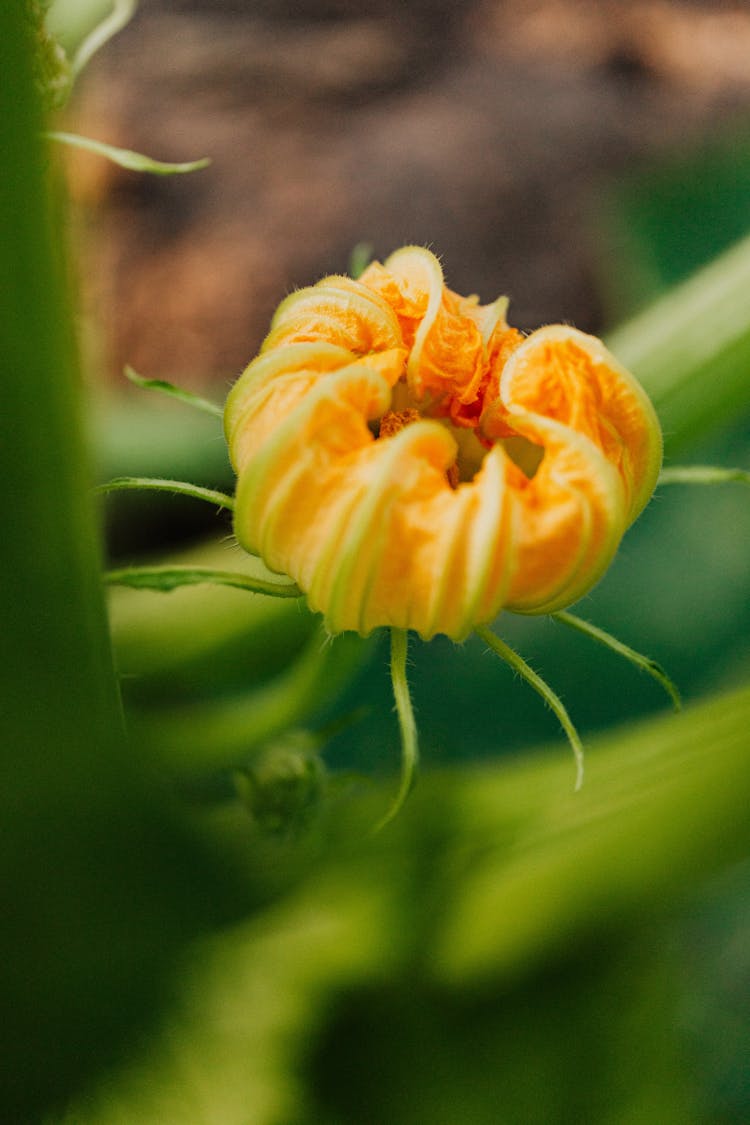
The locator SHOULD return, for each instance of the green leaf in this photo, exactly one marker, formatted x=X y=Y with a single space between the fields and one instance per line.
x=643 y=662
x=665 y=802
x=497 y=900
x=170 y=389
x=702 y=474
x=158 y=484
x=165 y=578
x=126 y=158
x=199 y=738
x=203 y=640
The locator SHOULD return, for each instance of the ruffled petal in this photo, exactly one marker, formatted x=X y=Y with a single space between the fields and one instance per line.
x=504 y=474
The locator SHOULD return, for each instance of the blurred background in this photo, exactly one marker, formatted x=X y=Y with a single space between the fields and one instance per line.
x=583 y=158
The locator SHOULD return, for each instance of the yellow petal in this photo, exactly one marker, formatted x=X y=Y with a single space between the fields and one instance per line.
x=372 y=523
x=568 y=376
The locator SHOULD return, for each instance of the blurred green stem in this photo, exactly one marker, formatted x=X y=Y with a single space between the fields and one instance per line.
x=691 y=348
x=223 y=735
x=90 y=882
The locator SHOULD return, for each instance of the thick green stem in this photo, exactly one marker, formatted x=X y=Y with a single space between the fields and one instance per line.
x=691 y=348
x=87 y=865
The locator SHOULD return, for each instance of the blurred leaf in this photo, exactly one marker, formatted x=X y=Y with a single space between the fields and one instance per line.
x=140 y=435
x=202 y=737
x=360 y=258
x=666 y=221
x=72 y=20
x=691 y=349
x=204 y=639
x=499 y=941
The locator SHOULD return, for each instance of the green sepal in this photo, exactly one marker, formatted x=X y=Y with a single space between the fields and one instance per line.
x=170 y=389
x=159 y=484
x=406 y=722
x=126 y=158
x=553 y=701
x=645 y=663
x=166 y=578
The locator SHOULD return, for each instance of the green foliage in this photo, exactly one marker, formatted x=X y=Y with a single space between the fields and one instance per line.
x=202 y=896
x=102 y=882
x=691 y=348
x=499 y=954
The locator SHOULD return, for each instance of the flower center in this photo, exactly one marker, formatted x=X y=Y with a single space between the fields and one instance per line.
x=472 y=447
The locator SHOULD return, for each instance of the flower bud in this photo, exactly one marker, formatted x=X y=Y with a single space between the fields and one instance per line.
x=411 y=460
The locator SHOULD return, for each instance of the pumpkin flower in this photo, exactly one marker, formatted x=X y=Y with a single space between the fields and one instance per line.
x=411 y=460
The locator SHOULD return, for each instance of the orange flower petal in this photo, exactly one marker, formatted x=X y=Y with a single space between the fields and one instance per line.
x=553 y=444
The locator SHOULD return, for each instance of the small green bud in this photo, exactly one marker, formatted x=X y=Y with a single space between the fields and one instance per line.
x=284 y=786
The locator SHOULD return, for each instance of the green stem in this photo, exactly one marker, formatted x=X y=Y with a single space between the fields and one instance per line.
x=638 y=659
x=553 y=701
x=160 y=484
x=691 y=348
x=198 y=739
x=406 y=722
x=166 y=578
x=92 y=865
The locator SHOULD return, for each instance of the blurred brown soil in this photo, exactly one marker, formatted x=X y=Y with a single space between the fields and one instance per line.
x=490 y=131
